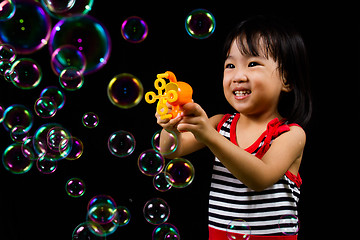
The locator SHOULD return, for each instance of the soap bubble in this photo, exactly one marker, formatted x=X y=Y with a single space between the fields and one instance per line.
x=151 y=162
x=101 y=209
x=71 y=79
x=88 y=231
x=156 y=211
x=17 y=115
x=238 y=229
x=179 y=172
x=122 y=216
x=86 y=34
x=200 y=24
x=55 y=94
x=75 y=145
x=7 y=52
x=125 y=91
x=160 y=183
x=28 y=150
x=46 y=166
x=134 y=29
x=27 y=73
x=7 y=9
x=45 y=107
x=14 y=160
x=67 y=56
x=289 y=225
x=164 y=230
x=121 y=144
x=28 y=30
x=75 y=187
x=90 y=120
x=172 y=142
x=67 y=8
x=18 y=134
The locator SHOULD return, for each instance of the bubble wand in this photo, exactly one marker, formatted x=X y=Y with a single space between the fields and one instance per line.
x=176 y=94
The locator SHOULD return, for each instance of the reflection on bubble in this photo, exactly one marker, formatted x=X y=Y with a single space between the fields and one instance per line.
x=156 y=211
x=125 y=91
x=14 y=161
x=179 y=172
x=200 y=24
x=67 y=56
x=165 y=230
x=289 y=225
x=171 y=143
x=58 y=6
x=90 y=120
x=7 y=9
x=238 y=229
x=45 y=107
x=71 y=79
x=88 y=231
x=7 y=52
x=151 y=162
x=28 y=30
x=121 y=143
x=28 y=149
x=55 y=94
x=67 y=8
x=19 y=134
x=75 y=187
x=101 y=209
x=18 y=115
x=84 y=33
x=27 y=73
x=160 y=183
x=46 y=166
x=134 y=29
x=71 y=148
x=122 y=216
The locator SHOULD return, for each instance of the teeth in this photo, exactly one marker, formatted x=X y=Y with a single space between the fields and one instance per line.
x=242 y=93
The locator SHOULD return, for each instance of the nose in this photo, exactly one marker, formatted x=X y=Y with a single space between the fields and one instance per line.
x=239 y=76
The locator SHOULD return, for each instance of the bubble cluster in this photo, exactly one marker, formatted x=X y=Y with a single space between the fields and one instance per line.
x=134 y=29
x=200 y=24
x=125 y=91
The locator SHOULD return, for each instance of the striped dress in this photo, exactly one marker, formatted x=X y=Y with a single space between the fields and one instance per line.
x=236 y=211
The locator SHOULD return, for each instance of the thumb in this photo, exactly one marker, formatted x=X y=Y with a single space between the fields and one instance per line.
x=190 y=108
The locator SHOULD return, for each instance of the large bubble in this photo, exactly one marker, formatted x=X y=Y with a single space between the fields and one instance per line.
x=14 y=160
x=28 y=30
x=18 y=115
x=88 y=35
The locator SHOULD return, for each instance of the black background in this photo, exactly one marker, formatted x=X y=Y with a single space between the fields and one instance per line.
x=36 y=206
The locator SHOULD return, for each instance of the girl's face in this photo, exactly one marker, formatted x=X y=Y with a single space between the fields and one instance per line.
x=252 y=84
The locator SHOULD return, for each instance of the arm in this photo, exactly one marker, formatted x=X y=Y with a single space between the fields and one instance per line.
x=257 y=174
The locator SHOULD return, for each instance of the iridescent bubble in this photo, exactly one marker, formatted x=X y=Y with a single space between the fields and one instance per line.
x=28 y=150
x=160 y=183
x=151 y=162
x=55 y=94
x=101 y=209
x=125 y=91
x=46 y=166
x=71 y=79
x=67 y=56
x=28 y=30
x=75 y=187
x=45 y=107
x=7 y=9
x=75 y=145
x=88 y=231
x=7 y=52
x=17 y=115
x=90 y=120
x=171 y=143
x=289 y=224
x=200 y=24
x=14 y=160
x=134 y=29
x=27 y=75
x=88 y=35
x=156 y=211
x=121 y=143
x=67 y=8
x=163 y=230
x=238 y=229
x=122 y=216
x=5 y=66
x=19 y=134
x=179 y=172
x=172 y=236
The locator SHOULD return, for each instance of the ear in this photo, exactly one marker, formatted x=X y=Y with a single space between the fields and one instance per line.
x=286 y=87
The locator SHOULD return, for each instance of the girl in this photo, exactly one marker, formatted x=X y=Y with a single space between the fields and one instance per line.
x=258 y=150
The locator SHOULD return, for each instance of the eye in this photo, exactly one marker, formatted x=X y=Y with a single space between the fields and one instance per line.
x=229 y=65
x=253 y=64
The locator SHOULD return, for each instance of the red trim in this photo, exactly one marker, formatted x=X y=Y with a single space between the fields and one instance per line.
x=296 y=179
x=233 y=129
x=215 y=234
x=222 y=121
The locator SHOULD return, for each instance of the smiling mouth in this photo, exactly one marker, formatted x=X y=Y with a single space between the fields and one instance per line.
x=242 y=93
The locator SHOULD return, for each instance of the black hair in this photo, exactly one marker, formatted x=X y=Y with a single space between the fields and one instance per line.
x=286 y=46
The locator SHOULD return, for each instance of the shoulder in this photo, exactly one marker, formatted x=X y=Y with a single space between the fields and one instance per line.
x=216 y=119
x=295 y=137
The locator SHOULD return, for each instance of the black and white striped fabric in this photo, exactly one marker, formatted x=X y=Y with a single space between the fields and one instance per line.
x=230 y=200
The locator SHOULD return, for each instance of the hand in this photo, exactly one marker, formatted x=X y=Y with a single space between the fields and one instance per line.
x=195 y=120
x=168 y=124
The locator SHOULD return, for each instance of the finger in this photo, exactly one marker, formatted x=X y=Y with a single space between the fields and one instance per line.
x=189 y=108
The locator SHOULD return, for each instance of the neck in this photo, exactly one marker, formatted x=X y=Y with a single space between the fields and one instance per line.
x=261 y=119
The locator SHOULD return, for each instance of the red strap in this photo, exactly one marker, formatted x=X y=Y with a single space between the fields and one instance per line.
x=215 y=234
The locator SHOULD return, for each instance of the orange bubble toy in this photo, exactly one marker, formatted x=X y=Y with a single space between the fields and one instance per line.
x=176 y=94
